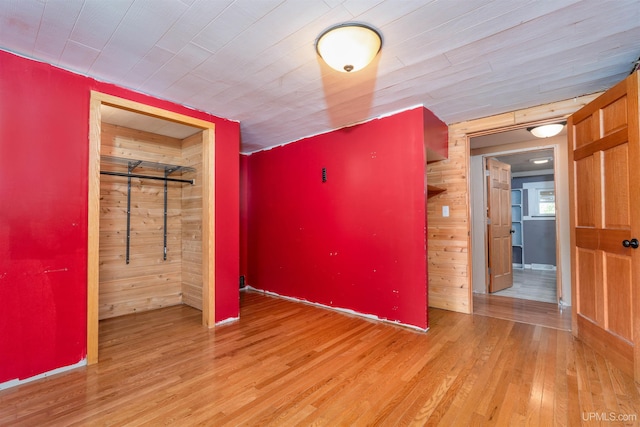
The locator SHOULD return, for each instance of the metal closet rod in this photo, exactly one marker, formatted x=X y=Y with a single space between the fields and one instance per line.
x=131 y=165
x=136 y=175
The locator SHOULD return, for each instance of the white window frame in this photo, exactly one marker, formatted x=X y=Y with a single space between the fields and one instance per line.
x=533 y=197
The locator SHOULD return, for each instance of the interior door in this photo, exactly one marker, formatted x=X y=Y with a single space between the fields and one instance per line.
x=604 y=163
x=499 y=225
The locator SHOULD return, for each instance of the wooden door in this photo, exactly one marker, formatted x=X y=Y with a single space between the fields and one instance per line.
x=499 y=225
x=604 y=163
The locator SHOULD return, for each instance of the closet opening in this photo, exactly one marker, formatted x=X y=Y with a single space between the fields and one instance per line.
x=151 y=215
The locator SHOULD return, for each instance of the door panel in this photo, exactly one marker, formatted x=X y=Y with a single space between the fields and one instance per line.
x=582 y=132
x=585 y=193
x=604 y=163
x=586 y=274
x=618 y=276
x=614 y=116
x=500 y=262
x=616 y=187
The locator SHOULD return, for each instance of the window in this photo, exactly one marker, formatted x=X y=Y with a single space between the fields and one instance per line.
x=541 y=198
x=546 y=201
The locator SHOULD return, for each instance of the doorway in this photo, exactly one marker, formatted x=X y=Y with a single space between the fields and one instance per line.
x=541 y=265
x=533 y=226
x=197 y=154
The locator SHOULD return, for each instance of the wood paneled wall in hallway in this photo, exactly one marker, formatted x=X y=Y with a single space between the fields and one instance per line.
x=447 y=237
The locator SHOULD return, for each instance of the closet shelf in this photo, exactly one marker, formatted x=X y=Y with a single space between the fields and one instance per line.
x=131 y=164
x=145 y=164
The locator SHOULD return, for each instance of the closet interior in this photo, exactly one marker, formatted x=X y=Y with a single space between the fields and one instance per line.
x=151 y=207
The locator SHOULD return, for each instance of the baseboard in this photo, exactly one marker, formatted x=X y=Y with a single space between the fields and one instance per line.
x=229 y=320
x=17 y=382
x=342 y=310
x=533 y=266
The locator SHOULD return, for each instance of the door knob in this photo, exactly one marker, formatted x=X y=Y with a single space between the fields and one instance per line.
x=633 y=243
x=512 y=231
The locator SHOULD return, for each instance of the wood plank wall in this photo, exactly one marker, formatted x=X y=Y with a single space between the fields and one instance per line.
x=148 y=281
x=449 y=273
x=192 y=225
x=449 y=250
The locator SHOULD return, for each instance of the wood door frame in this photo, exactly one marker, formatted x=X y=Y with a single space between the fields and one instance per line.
x=463 y=131
x=93 y=223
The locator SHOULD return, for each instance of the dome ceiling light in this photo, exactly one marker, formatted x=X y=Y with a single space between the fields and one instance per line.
x=349 y=47
x=547 y=131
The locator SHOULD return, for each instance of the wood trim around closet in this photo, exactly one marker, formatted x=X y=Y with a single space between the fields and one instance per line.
x=93 y=226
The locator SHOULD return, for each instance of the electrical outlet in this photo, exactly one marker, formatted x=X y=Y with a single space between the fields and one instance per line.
x=445 y=211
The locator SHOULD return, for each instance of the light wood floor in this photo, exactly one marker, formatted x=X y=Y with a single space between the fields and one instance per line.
x=550 y=315
x=287 y=363
x=536 y=285
x=531 y=299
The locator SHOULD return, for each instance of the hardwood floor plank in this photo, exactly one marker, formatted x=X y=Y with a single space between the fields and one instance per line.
x=511 y=357
x=286 y=364
x=533 y=401
x=608 y=392
x=547 y=395
x=585 y=393
x=437 y=406
x=574 y=407
x=484 y=369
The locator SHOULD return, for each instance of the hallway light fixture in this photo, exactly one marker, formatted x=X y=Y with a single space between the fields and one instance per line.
x=541 y=160
x=349 y=47
x=547 y=131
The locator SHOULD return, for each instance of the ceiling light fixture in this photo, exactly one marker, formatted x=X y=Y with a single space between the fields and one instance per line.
x=349 y=47
x=547 y=131
x=541 y=161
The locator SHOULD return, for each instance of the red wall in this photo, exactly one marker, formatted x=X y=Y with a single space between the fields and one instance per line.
x=357 y=241
x=244 y=215
x=44 y=127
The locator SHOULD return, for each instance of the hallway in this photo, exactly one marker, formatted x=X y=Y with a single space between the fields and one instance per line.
x=536 y=285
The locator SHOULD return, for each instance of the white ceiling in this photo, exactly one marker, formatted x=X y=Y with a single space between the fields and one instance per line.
x=255 y=61
x=523 y=161
x=520 y=161
x=507 y=137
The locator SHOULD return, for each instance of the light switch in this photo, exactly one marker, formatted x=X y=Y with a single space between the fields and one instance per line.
x=445 y=211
